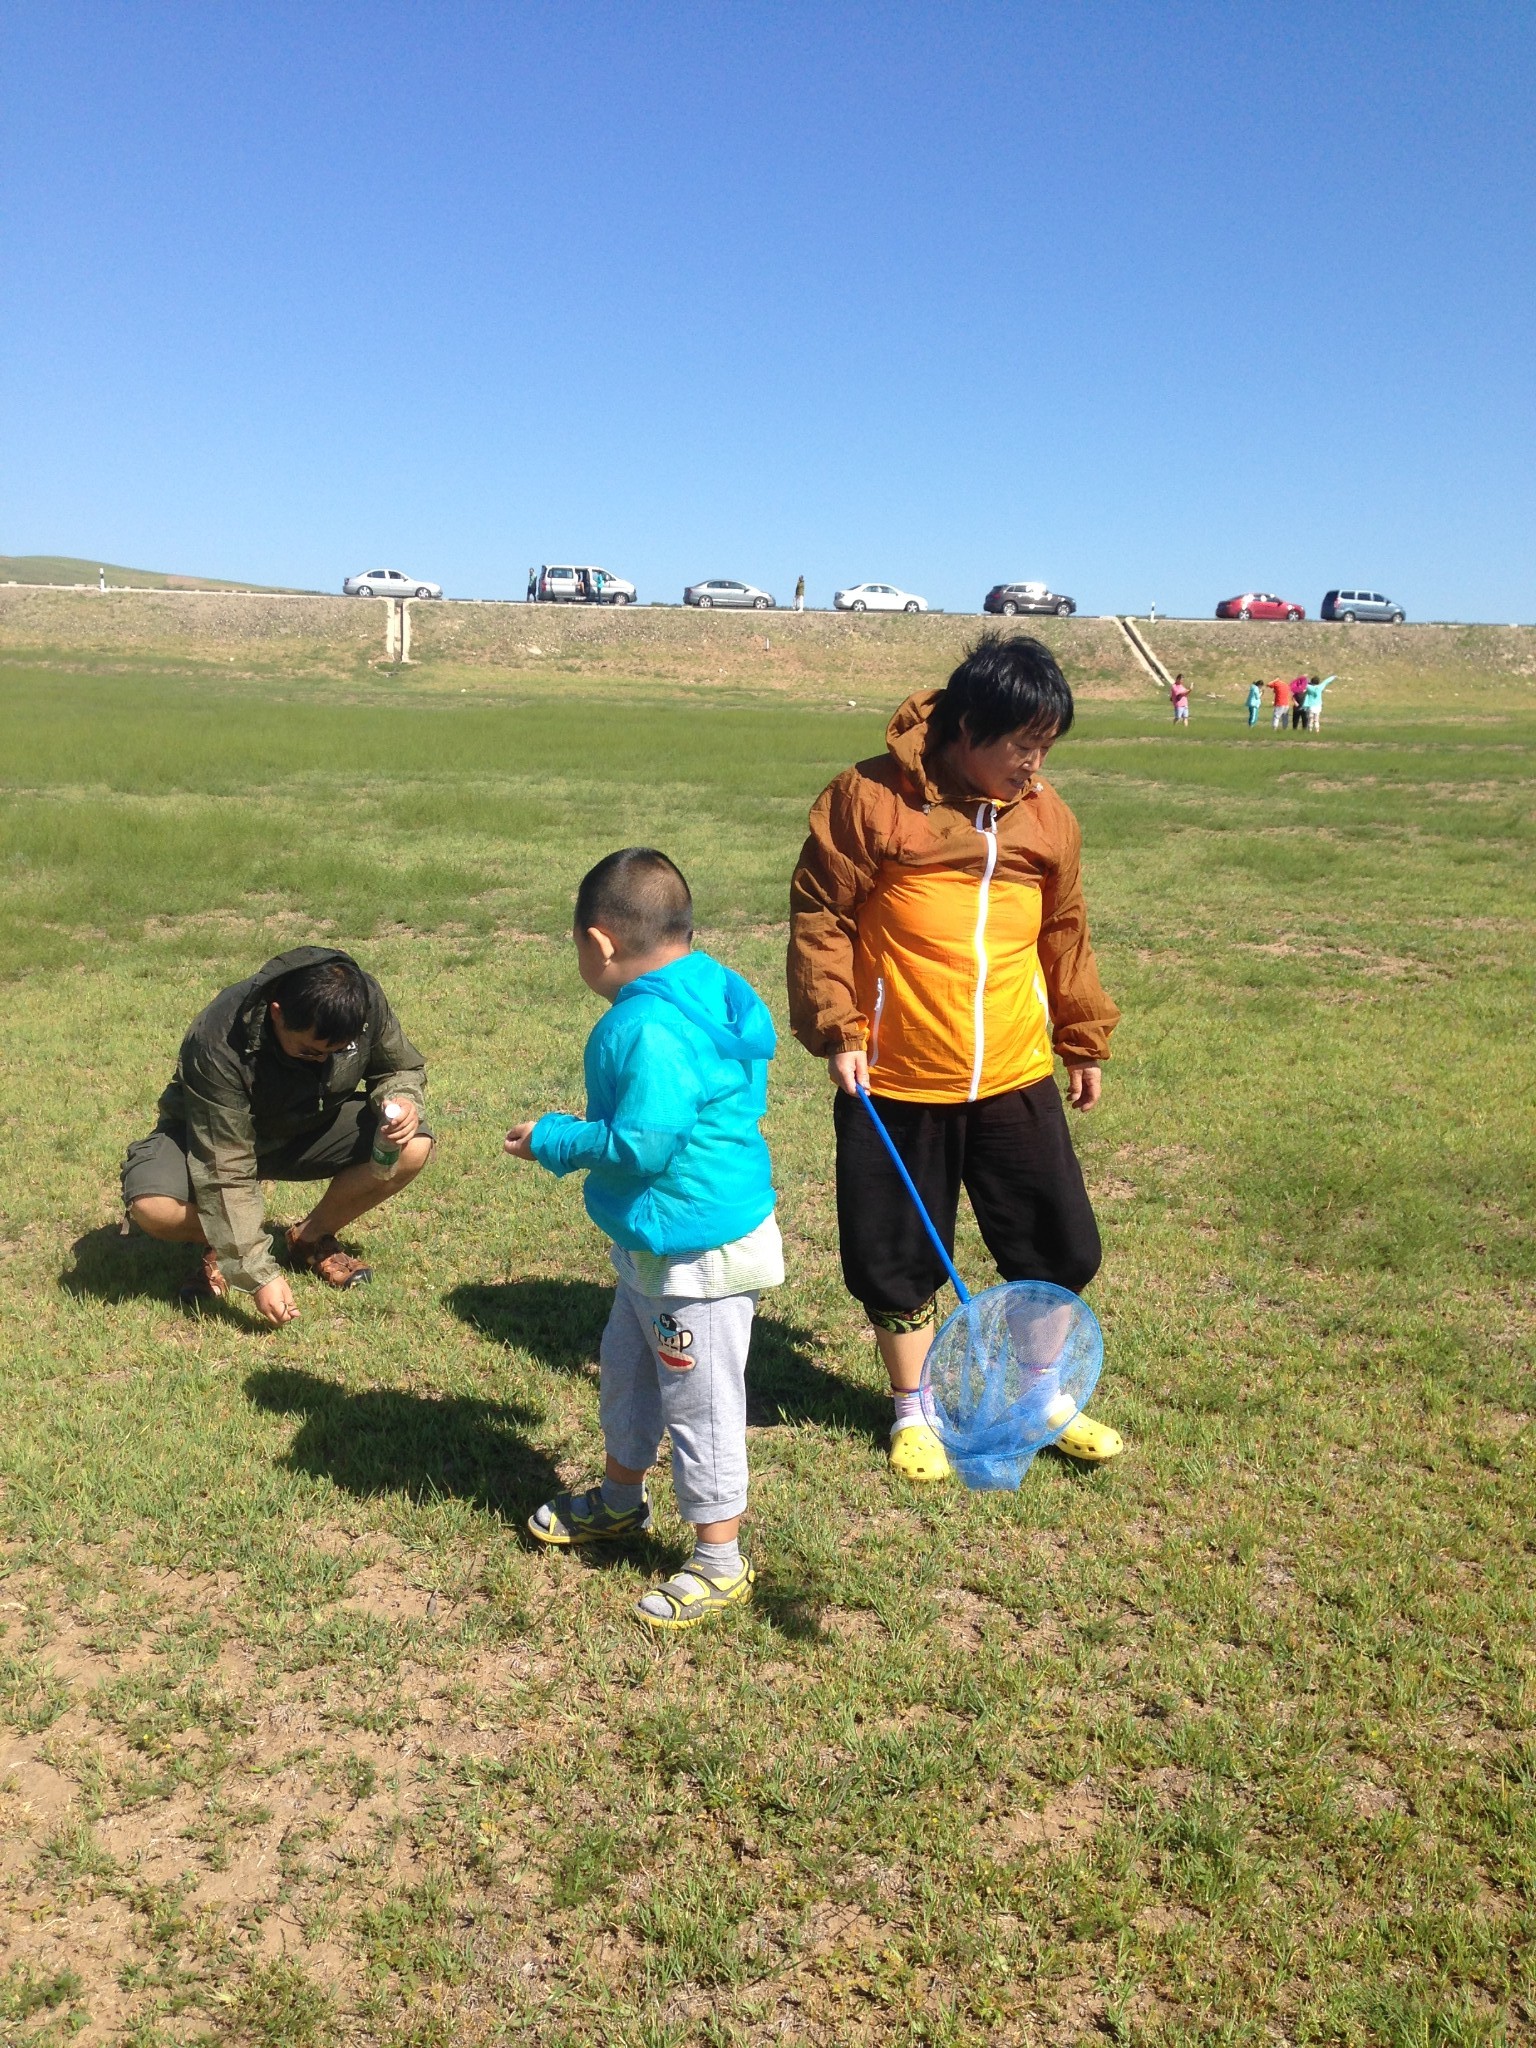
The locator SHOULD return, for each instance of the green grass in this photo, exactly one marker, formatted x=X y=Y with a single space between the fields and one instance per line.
x=1230 y=1742
x=54 y=569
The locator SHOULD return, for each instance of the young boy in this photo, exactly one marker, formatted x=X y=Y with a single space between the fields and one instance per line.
x=939 y=957
x=679 y=1178
x=1178 y=697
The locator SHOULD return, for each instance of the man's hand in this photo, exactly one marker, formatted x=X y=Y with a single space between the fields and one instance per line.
x=1084 y=1085
x=402 y=1126
x=849 y=1070
x=275 y=1301
x=516 y=1142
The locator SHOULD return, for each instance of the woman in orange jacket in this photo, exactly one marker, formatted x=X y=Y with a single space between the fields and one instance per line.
x=939 y=955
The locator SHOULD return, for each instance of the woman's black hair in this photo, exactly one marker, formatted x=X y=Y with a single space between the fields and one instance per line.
x=1007 y=682
x=329 y=1000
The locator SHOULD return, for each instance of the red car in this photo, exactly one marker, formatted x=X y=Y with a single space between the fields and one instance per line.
x=1259 y=604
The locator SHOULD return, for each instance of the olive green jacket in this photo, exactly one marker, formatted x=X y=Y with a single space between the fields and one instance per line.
x=239 y=1095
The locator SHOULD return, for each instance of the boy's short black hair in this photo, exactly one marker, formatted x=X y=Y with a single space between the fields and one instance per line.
x=329 y=999
x=1008 y=682
x=638 y=897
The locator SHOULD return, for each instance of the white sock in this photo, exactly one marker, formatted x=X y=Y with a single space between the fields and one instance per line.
x=716 y=1560
x=909 y=1408
x=620 y=1499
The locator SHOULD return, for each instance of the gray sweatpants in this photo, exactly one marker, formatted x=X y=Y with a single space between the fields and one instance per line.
x=679 y=1367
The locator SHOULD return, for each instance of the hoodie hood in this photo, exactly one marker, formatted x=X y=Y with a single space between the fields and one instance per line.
x=906 y=738
x=728 y=1010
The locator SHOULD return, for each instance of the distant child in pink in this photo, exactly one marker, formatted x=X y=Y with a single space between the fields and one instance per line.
x=1178 y=697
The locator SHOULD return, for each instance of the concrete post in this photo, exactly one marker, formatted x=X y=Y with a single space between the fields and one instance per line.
x=392 y=610
x=405 y=630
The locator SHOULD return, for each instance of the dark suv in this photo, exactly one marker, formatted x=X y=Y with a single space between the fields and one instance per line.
x=1010 y=598
x=1350 y=605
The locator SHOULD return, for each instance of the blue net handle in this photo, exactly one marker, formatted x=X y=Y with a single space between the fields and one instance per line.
x=917 y=1201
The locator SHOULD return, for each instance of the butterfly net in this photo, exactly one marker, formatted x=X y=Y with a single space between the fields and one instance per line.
x=1006 y=1374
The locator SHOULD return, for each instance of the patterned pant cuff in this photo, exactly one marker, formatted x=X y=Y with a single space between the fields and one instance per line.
x=902 y=1322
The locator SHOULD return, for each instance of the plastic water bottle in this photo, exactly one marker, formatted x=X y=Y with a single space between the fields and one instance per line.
x=385 y=1157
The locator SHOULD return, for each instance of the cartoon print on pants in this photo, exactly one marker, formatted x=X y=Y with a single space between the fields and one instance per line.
x=673 y=1343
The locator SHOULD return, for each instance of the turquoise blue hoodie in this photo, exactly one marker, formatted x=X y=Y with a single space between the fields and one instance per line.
x=677 y=1078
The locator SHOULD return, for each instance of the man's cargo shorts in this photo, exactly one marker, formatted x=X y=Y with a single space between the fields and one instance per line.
x=157 y=1165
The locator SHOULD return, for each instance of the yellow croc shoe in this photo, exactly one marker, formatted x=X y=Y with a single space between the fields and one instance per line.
x=1090 y=1442
x=917 y=1454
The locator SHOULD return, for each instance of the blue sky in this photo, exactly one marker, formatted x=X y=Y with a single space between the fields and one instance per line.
x=1156 y=302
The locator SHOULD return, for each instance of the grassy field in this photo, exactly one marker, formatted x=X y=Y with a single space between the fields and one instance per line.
x=1231 y=1742
x=60 y=569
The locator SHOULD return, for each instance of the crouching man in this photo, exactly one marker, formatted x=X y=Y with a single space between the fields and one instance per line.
x=283 y=1077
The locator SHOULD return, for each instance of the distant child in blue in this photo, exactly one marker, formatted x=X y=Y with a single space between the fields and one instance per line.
x=678 y=1177
x=1255 y=699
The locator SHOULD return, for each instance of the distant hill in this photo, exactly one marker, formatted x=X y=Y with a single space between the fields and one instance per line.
x=75 y=569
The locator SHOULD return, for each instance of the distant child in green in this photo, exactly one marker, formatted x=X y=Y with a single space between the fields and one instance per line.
x=1312 y=702
x=678 y=1177
x=1255 y=699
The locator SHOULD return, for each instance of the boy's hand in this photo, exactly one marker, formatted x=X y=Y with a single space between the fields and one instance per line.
x=849 y=1070
x=1084 y=1086
x=517 y=1141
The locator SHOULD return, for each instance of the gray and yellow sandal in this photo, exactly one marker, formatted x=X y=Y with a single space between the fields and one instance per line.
x=573 y=1518
x=688 y=1598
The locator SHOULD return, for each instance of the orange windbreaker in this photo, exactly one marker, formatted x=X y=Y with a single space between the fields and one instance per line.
x=943 y=933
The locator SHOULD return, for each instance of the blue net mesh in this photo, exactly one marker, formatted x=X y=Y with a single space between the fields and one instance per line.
x=1006 y=1374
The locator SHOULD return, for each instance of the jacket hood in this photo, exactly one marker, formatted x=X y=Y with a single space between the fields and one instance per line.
x=728 y=1010
x=254 y=1008
x=906 y=737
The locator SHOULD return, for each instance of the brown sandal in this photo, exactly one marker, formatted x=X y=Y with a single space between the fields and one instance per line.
x=205 y=1283
x=326 y=1260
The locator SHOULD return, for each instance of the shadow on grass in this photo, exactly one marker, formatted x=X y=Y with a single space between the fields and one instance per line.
x=111 y=1267
x=560 y=1323
x=380 y=1440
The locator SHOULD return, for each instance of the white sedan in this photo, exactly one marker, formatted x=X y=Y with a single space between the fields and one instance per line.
x=388 y=583
x=878 y=597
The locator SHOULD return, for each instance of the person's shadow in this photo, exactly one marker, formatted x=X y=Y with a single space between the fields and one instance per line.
x=381 y=1440
x=110 y=1267
x=560 y=1323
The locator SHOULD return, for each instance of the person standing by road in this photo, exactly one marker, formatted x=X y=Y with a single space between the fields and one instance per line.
x=800 y=594
x=533 y=586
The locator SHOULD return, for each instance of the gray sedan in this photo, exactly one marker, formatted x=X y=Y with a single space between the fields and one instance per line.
x=719 y=592
x=388 y=583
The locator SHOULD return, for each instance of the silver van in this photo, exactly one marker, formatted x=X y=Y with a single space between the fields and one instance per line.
x=571 y=583
x=1350 y=605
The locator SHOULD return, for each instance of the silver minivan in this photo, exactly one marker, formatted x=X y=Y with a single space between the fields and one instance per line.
x=579 y=583
x=1350 y=605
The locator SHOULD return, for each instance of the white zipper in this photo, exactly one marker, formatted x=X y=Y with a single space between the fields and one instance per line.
x=874 y=1034
x=988 y=832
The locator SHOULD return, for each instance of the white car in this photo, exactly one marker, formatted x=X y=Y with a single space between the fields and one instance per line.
x=878 y=597
x=388 y=583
